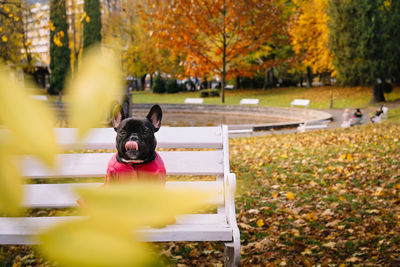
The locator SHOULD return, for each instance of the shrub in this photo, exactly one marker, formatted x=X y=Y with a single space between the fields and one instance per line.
x=209 y=93
x=159 y=84
x=172 y=86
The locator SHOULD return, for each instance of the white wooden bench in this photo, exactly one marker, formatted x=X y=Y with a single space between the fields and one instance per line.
x=249 y=101
x=40 y=97
x=220 y=226
x=300 y=102
x=194 y=101
x=229 y=87
x=313 y=125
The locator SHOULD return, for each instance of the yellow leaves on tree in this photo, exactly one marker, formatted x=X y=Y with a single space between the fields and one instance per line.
x=309 y=34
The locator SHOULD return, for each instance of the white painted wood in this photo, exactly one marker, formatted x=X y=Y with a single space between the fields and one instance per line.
x=300 y=102
x=192 y=227
x=63 y=195
x=194 y=101
x=95 y=164
x=167 y=137
x=249 y=101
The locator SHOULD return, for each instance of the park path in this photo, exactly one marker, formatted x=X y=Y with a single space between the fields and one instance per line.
x=337 y=120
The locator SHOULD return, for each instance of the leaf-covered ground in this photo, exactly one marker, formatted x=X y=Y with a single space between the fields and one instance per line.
x=327 y=197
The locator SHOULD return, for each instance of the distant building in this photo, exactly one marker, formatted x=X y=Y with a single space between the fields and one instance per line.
x=37 y=31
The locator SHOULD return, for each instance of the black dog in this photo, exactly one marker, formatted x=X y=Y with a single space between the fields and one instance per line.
x=136 y=157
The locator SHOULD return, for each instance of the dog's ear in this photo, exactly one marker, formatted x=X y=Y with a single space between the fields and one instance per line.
x=116 y=116
x=155 y=116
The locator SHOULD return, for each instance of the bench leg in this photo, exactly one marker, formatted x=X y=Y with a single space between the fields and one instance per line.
x=231 y=255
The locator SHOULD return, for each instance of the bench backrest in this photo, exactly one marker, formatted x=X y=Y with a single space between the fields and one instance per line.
x=194 y=101
x=300 y=102
x=249 y=101
x=212 y=162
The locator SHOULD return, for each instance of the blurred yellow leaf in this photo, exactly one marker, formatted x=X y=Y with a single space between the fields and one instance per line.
x=275 y=194
x=140 y=203
x=92 y=90
x=106 y=235
x=260 y=222
x=30 y=121
x=82 y=243
x=290 y=196
x=10 y=184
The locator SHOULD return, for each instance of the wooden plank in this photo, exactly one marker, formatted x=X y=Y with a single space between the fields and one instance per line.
x=95 y=164
x=192 y=227
x=167 y=137
x=63 y=196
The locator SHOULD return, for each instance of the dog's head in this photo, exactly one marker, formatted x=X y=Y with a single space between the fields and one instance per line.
x=135 y=140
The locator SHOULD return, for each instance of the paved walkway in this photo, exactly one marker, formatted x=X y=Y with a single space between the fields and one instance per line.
x=337 y=120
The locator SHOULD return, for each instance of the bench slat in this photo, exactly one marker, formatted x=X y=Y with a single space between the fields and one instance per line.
x=191 y=227
x=95 y=164
x=167 y=137
x=63 y=196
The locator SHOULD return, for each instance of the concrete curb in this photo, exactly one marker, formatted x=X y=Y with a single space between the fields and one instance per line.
x=292 y=116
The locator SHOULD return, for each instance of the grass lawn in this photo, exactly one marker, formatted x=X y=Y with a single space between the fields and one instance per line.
x=343 y=97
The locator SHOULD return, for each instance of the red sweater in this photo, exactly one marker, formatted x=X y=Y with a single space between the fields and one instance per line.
x=119 y=171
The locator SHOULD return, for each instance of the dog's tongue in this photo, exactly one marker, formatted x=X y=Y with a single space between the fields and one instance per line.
x=131 y=145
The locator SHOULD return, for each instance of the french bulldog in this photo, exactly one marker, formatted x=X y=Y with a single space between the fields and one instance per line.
x=136 y=157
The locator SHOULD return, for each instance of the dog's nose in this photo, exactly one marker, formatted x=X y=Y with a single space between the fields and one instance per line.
x=133 y=138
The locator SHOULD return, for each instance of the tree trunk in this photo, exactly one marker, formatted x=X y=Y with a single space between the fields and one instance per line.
x=377 y=94
x=309 y=77
x=223 y=57
x=143 y=82
x=238 y=82
x=265 y=79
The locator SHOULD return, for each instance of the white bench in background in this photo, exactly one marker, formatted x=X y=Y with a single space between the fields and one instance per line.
x=249 y=101
x=300 y=102
x=220 y=226
x=194 y=101
x=313 y=125
x=40 y=97
x=229 y=86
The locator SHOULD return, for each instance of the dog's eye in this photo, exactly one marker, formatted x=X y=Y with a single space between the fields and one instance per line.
x=122 y=132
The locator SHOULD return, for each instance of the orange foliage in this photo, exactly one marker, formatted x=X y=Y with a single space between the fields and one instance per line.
x=208 y=31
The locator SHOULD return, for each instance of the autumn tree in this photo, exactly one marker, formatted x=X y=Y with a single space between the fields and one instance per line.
x=310 y=36
x=92 y=24
x=11 y=32
x=59 y=46
x=213 y=33
x=364 y=38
